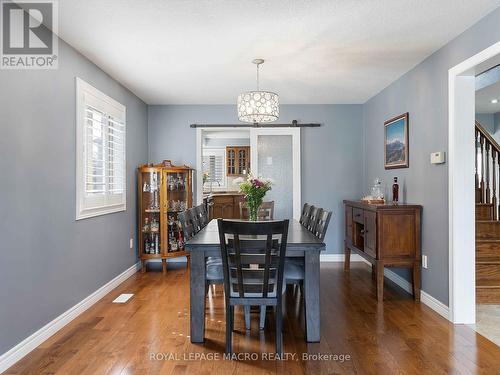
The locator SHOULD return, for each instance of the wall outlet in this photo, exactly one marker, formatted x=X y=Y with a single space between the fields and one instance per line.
x=131 y=243
x=424 y=261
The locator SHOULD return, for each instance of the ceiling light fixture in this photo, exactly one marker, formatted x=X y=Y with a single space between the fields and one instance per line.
x=258 y=106
x=494 y=101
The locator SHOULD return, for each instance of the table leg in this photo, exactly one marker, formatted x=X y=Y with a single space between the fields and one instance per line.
x=197 y=296
x=311 y=295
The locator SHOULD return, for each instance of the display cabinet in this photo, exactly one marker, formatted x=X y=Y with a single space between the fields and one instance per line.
x=164 y=191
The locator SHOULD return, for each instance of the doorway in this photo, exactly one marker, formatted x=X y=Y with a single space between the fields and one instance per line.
x=461 y=198
x=274 y=153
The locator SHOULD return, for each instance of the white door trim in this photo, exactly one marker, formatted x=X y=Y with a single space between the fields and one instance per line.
x=199 y=159
x=461 y=201
x=295 y=133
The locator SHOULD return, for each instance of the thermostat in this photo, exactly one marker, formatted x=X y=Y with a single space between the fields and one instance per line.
x=438 y=157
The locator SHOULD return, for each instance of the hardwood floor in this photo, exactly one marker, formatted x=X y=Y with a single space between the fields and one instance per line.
x=398 y=336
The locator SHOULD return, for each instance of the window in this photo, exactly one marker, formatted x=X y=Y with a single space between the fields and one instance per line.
x=100 y=158
x=214 y=167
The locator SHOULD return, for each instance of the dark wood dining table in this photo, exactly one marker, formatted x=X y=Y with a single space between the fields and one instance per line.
x=301 y=244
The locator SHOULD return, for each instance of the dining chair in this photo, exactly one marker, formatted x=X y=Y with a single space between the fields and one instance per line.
x=202 y=215
x=266 y=211
x=189 y=228
x=322 y=224
x=295 y=268
x=313 y=218
x=213 y=265
x=253 y=259
x=304 y=216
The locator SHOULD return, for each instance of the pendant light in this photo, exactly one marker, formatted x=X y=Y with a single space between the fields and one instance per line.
x=258 y=106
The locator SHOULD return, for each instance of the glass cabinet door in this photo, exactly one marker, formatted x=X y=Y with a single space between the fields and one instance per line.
x=242 y=160
x=231 y=161
x=150 y=215
x=177 y=193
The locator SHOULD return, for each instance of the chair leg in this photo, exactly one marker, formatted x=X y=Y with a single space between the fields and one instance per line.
x=246 y=310
x=262 y=322
x=279 y=331
x=229 y=329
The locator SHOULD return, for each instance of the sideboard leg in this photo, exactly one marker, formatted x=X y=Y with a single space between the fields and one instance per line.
x=380 y=281
x=416 y=281
x=347 y=259
x=164 y=265
x=143 y=265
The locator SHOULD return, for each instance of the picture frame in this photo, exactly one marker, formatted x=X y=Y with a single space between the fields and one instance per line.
x=396 y=142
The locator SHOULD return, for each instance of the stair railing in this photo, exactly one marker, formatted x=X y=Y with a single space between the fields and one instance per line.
x=486 y=165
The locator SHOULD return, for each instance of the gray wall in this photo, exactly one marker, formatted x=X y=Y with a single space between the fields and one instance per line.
x=49 y=262
x=331 y=155
x=487 y=120
x=423 y=92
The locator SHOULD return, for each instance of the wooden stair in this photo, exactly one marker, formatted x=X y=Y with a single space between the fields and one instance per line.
x=487 y=218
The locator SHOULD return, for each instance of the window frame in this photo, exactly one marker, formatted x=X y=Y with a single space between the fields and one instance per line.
x=87 y=207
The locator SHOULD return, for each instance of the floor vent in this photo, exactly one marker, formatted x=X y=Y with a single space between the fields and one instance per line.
x=122 y=298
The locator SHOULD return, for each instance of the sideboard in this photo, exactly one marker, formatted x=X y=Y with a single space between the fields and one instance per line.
x=386 y=235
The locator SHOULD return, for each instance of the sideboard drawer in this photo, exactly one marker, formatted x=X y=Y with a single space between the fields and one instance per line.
x=358 y=215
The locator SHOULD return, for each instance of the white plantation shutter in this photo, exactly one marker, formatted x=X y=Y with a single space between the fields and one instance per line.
x=214 y=164
x=101 y=173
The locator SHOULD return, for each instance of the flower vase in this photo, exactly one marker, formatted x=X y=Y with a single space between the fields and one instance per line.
x=253 y=209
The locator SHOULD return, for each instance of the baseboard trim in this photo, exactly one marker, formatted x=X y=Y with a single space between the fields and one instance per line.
x=10 y=357
x=425 y=298
x=435 y=305
x=340 y=258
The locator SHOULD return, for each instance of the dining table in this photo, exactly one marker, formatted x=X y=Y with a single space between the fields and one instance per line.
x=301 y=243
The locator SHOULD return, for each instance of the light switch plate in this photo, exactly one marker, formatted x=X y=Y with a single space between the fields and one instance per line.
x=424 y=261
x=438 y=157
x=131 y=243
x=269 y=160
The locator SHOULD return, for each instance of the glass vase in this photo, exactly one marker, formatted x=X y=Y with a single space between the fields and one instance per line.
x=253 y=209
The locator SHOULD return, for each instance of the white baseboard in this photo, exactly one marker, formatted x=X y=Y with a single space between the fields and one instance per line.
x=435 y=305
x=10 y=357
x=425 y=298
x=340 y=258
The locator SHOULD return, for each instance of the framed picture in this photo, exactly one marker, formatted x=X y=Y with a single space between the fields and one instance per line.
x=396 y=153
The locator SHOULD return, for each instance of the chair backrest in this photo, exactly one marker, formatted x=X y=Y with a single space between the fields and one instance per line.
x=313 y=218
x=322 y=224
x=266 y=211
x=191 y=212
x=202 y=215
x=304 y=217
x=189 y=228
x=253 y=259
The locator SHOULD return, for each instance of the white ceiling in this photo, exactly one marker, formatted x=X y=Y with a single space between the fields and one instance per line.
x=317 y=51
x=484 y=97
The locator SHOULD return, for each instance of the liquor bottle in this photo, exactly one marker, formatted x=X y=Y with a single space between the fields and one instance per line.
x=155 y=226
x=146 y=228
x=157 y=244
x=395 y=190
x=180 y=240
x=146 y=245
